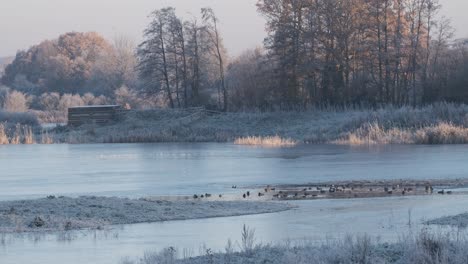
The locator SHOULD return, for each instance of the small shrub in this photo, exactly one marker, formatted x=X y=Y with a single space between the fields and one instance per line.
x=248 y=240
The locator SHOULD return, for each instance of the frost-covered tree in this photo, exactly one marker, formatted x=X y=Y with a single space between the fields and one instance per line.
x=49 y=101
x=15 y=102
x=63 y=65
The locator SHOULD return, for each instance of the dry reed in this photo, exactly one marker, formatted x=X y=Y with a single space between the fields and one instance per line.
x=269 y=141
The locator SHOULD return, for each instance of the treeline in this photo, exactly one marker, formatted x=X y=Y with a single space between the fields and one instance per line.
x=318 y=52
x=354 y=51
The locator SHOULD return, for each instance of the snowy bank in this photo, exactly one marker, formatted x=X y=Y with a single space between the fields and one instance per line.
x=460 y=220
x=422 y=248
x=434 y=124
x=63 y=213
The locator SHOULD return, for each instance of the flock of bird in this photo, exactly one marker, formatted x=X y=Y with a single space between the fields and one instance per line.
x=306 y=192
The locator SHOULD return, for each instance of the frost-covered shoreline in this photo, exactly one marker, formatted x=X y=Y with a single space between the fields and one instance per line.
x=440 y=123
x=416 y=248
x=460 y=220
x=64 y=213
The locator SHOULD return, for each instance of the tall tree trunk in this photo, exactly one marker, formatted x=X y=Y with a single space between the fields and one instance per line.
x=165 y=68
x=184 y=60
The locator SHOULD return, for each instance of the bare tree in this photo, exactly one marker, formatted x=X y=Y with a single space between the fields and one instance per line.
x=153 y=53
x=211 y=26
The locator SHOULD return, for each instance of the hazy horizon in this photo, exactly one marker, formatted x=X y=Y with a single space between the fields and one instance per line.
x=24 y=23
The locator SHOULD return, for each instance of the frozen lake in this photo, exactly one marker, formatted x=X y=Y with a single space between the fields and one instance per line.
x=172 y=169
x=165 y=169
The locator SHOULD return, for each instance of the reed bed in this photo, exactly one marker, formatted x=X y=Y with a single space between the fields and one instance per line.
x=372 y=134
x=268 y=141
x=4 y=140
x=19 y=134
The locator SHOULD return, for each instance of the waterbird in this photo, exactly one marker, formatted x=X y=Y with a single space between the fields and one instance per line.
x=248 y=193
x=195 y=196
x=441 y=192
x=244 y=195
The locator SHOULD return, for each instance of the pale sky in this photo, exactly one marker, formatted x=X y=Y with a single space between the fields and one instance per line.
x=27 y=22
